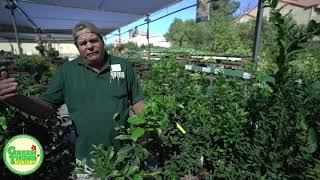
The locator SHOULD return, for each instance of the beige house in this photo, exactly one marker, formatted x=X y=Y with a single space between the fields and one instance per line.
x=140 y=38
x=65 y=49
x=302 y=11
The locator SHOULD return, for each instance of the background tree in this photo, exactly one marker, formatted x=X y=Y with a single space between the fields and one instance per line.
x=176 y=33
x=221 y=36
x=225 y=7
x=216 y=35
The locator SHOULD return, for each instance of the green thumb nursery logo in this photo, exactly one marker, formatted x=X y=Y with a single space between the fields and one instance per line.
x=23 y=154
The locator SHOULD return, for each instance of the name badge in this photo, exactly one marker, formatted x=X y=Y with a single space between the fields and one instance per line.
x=115 y=67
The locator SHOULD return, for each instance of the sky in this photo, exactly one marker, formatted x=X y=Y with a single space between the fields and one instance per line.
x=161 y=26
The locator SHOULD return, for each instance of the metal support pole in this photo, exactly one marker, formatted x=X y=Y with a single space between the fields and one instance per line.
x=119 y=30
x=257 y=33
x=49 y=41
x=59 y=47
x=12 y=6
x=148 y=35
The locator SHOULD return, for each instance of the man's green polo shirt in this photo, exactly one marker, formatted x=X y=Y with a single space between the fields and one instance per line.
x=94 y=98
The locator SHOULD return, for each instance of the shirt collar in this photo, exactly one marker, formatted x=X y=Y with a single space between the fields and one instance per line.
x=106 y=59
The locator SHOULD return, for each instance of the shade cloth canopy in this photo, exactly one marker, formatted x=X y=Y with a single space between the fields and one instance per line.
x=57 y=17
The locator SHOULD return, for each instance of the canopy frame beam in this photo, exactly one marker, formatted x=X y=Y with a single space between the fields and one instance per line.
x=12 y=6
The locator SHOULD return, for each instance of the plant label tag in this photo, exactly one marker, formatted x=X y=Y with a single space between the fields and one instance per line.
x=188 y=67
x=206 y=69
x=115 y=67
x=180 y=128
x=246 y=75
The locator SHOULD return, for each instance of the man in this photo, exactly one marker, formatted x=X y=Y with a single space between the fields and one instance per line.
x=95 y=86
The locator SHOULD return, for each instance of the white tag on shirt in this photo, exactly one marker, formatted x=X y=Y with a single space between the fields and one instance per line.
x=116 y=75
x=115 y=67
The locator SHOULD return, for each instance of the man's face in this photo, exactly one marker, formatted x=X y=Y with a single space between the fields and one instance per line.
x=90 y=47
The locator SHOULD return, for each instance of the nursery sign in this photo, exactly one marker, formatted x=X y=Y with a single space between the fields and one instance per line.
x=23 y=154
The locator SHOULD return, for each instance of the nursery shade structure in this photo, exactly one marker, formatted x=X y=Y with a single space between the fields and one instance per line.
x=55 y=18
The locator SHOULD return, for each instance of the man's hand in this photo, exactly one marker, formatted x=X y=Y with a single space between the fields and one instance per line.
x=137 y=108
x=8 y=86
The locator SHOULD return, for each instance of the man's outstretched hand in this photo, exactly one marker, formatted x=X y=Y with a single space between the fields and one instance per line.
x=8 y=86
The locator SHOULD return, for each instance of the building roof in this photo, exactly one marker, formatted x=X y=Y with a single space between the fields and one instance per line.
x=302 y=3
x=142 y=33
x=247 y=13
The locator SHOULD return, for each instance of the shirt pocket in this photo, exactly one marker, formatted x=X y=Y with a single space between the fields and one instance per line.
x=117 y=87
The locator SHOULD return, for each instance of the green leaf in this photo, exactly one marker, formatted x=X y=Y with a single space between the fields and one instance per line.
x=181 y=106
x=125 y=169
x=135 y=120
x=312 y=141
x=115 y=173
x=122 y=153
x=273 y=3
x=132 y=170
x=311 y=26
x=116 y=117
x=119 y=128
x=303 y=124
x=123 y=137
x=137 y=177
x=135 y=162
x=155 y=107
x=110 y=152
x=101 y=172
x=120 y=178
x=2 y=121
x=138 y=132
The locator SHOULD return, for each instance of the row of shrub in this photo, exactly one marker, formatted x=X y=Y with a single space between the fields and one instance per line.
x=233 y=129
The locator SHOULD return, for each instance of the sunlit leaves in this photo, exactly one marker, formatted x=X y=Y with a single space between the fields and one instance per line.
x=135 y=120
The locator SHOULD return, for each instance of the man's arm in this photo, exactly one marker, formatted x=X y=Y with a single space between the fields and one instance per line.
x=137 y=107
x=31 y=105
